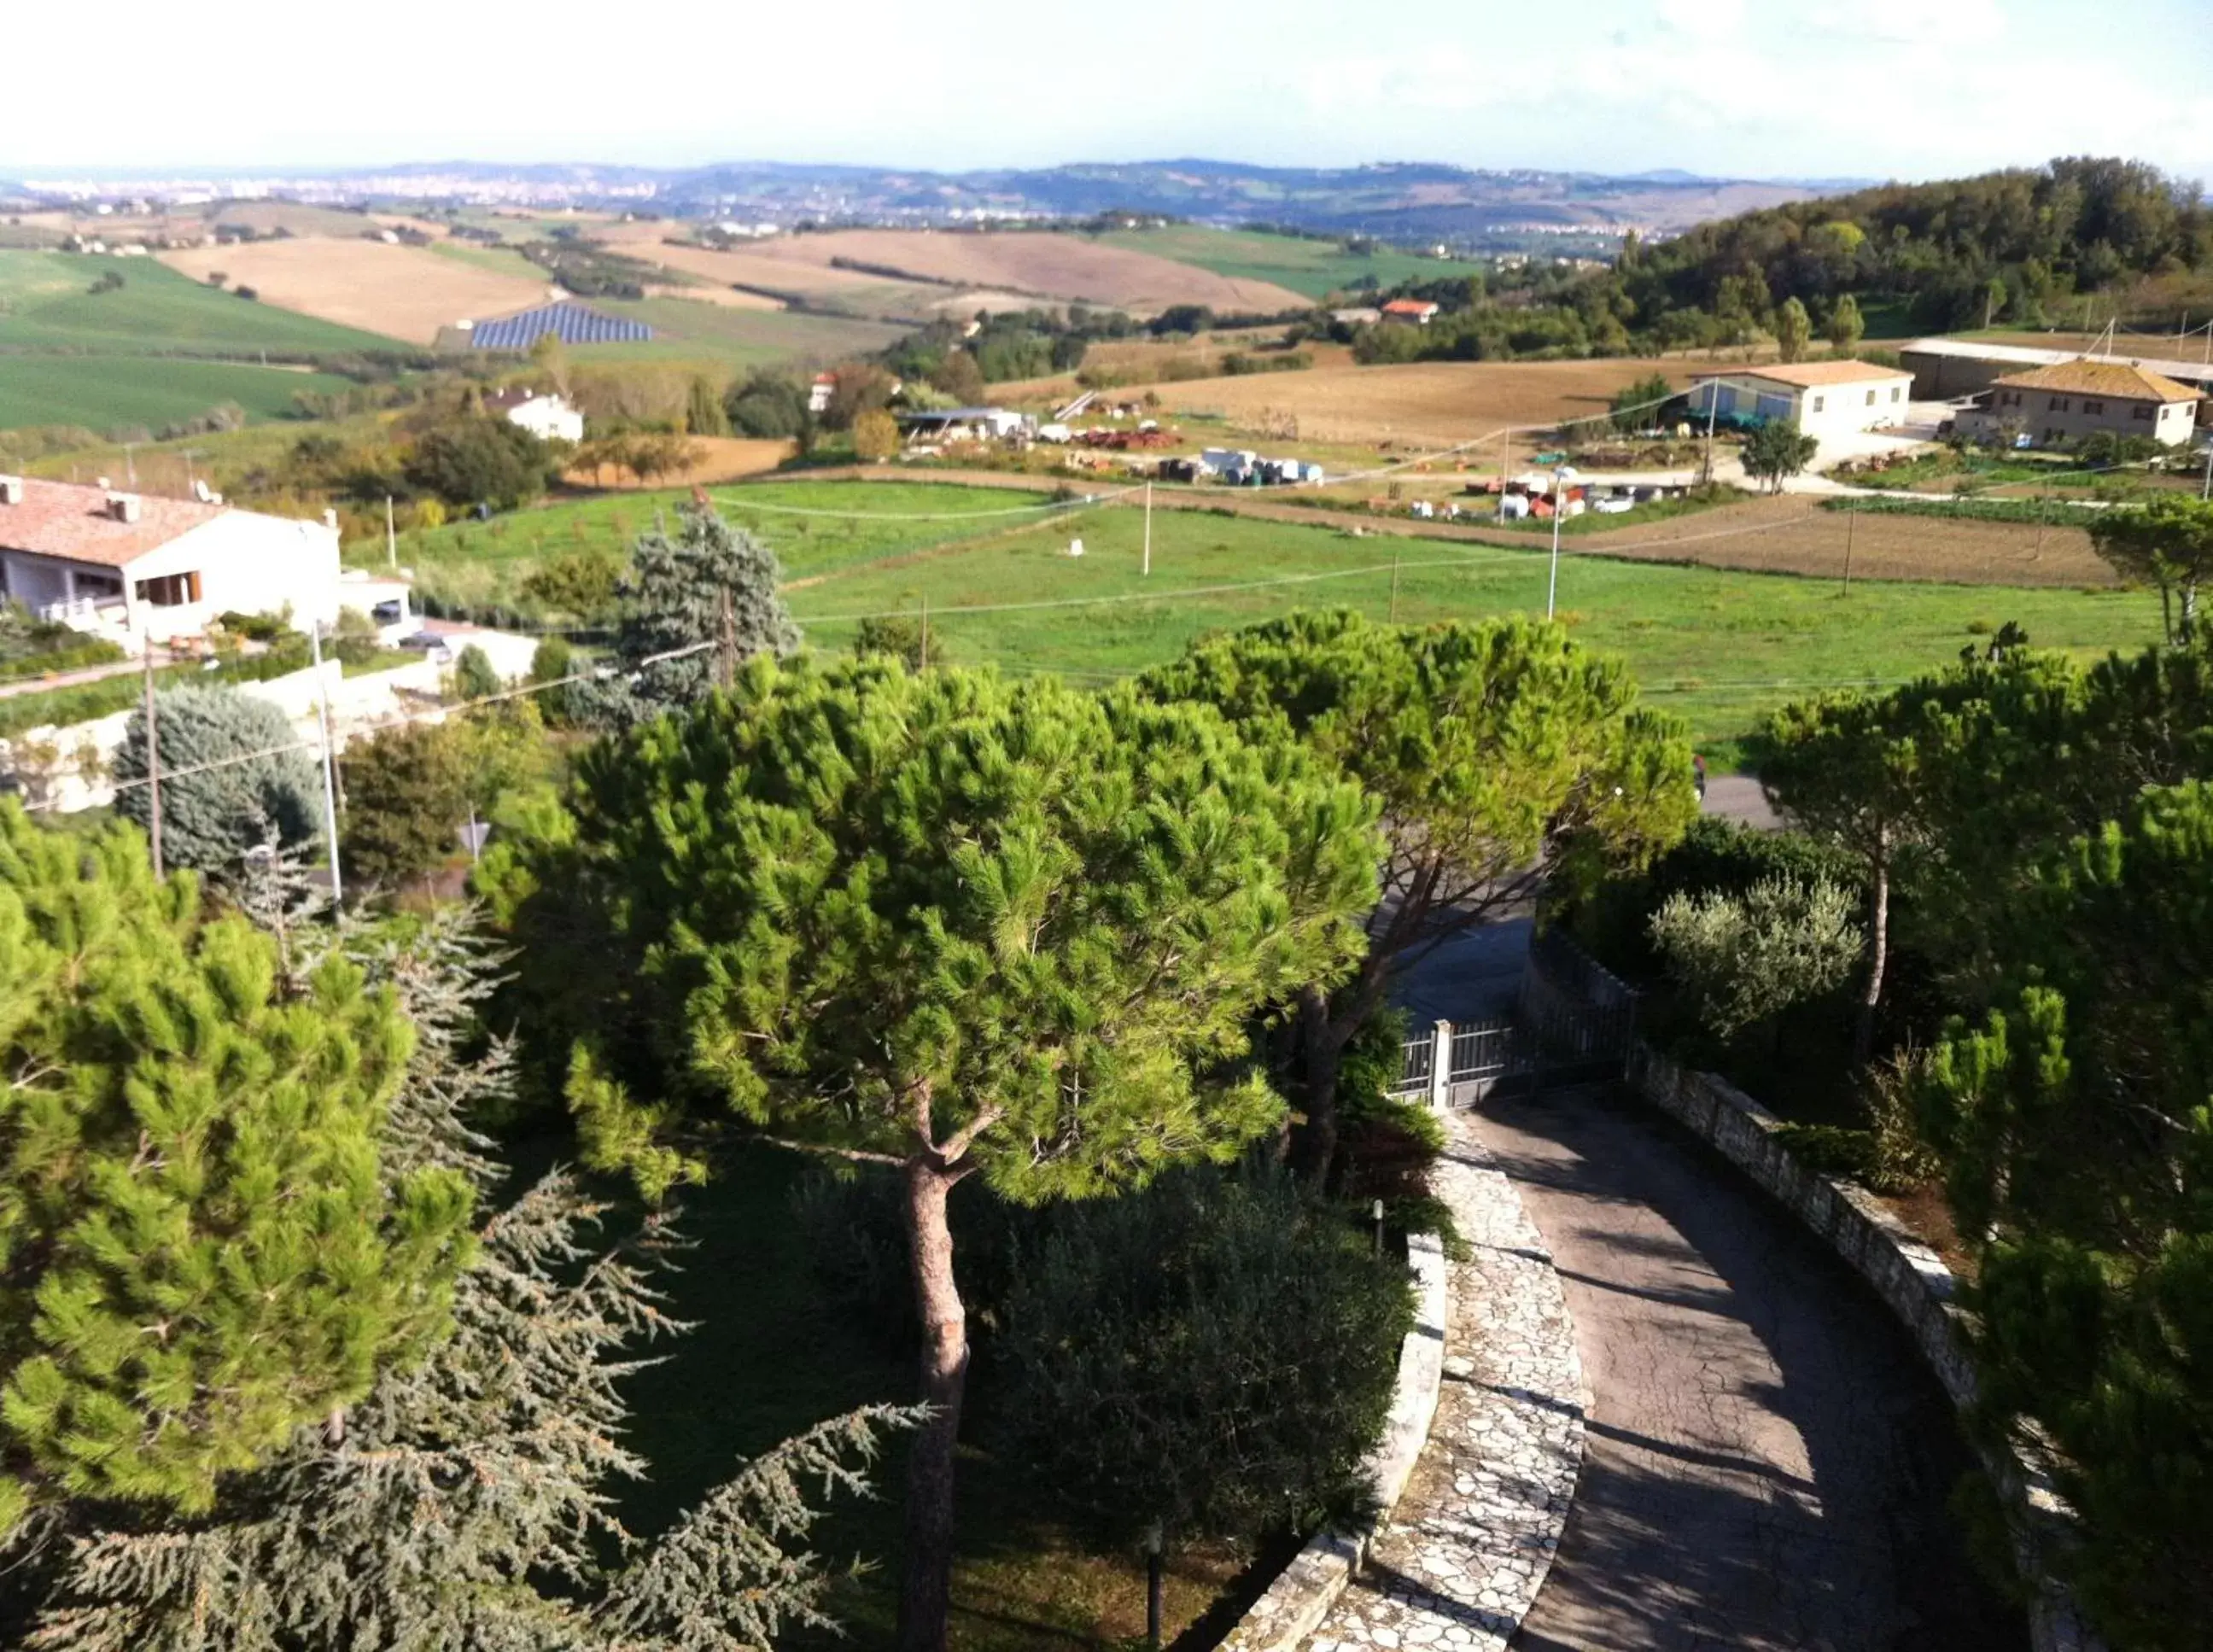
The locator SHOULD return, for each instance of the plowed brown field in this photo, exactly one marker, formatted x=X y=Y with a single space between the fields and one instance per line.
x=403 y=292
x=1435 y=402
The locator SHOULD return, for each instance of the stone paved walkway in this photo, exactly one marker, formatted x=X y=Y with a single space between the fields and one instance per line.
x=1468 y=1547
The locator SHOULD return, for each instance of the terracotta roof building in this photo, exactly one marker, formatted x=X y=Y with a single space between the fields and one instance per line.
x=2063 y=402
x=131 y=566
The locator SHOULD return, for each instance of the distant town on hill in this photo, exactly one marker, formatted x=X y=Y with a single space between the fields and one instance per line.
x=1408 y=203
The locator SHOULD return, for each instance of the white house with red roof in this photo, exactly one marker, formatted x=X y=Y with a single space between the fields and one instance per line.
x=135 y=567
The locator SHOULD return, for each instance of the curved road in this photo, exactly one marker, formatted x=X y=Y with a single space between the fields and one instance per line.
x=1767 y=1464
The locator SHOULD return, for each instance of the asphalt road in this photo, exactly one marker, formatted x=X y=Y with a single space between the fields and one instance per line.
x=1768 y=1464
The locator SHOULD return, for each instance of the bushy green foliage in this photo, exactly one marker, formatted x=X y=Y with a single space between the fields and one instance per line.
x=1638 y=405
x=406 y=790
x=199 y=1248
x=1745 y=958
x=767 y=405
x=552 y=661
x=474 y=679
x=1498 y=751
x=710 y=584
x=964 y=925
x=2168 y=544
x=481 y=460
x=896 y=635
x=209 y=819
x=2078 y=1141
x=463 y=1501
x=1216 y=1356
x=1777 y=449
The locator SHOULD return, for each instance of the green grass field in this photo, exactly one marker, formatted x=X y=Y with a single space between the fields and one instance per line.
x=500 y=261
x=1718 y=647
x=45 y=304
x=1316 y=268
x=105 y=393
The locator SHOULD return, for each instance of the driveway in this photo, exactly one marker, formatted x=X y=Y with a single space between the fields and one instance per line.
x=1767 y=1463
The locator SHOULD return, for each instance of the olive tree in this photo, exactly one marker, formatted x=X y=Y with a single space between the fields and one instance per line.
x=964 y=928
x=1745 y=958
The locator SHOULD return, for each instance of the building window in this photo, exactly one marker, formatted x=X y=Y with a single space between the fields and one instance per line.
x=2092 y=406
x=2059 y=403
x=1896 y=391
x=170 y=590
x=1870 y=401
x=1817 y=403
x=2143 y=409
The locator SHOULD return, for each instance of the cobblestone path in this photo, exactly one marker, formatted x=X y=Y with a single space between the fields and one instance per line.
x=1468 y=1547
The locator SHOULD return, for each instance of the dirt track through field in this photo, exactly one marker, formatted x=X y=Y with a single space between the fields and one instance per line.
x=1788 y=534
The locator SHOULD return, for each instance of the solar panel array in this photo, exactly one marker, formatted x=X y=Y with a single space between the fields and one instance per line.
x=573 y=323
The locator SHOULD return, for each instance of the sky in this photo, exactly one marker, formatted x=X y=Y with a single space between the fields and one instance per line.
x=1904 y=88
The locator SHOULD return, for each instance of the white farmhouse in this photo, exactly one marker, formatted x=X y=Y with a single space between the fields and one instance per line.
x=134 y=568
x=545 y=415
x=1825 y=399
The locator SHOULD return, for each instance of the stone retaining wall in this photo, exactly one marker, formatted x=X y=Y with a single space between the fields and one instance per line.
x=1910 y=1277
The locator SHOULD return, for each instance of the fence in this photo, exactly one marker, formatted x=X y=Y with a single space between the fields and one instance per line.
x=1573 y=1022
x=1457 y=1063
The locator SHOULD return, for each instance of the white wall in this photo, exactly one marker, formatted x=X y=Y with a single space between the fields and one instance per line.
x=248 y=563
x=1827 y=410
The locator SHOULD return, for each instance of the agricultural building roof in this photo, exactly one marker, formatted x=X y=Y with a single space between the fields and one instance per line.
x=572 y=323
x=1809 y=375
x=2123 y=381
x=76 y=524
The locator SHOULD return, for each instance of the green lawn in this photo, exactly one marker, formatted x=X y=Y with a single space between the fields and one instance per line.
x=108 y=393
x=47 y=304
x=1717 y=647
x=485 y=564
x=1316 y=268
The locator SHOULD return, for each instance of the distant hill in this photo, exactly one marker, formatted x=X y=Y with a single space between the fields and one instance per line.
x=1413 y=203
x=2018 y=246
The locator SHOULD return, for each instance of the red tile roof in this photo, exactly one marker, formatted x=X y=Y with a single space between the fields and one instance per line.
x=58 y=519
x=1410 y=307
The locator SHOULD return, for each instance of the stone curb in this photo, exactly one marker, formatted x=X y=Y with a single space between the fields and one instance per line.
x=1458 y=1561
x=1912 y=1282
x=1303 y=1592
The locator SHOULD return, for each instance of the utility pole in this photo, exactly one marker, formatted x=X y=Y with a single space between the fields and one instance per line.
x=1394 y=587
x=1559 y=510
x=129 y=468
x=1851 y=519
x=329 y=767
x=2206 y=491
x=391 y=536
x=1147 y=569
x=726 y=648
x=1713 y=407
x=152 y=762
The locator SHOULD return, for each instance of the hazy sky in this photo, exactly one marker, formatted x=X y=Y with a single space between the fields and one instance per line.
x=1911 y=89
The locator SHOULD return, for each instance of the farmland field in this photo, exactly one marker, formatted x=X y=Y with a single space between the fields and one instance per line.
x=1435 y=402
x=1316 y=268
x=403 y=292
x=689 y=329
x=1053 y=265
x=1720 y=646
x=109 y=393
x=819 y=285
x=46 y=305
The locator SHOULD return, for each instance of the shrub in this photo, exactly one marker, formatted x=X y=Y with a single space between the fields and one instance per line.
x=1390 y=1144
x=474 y=677
x=1743 y=959
x=405 y=791
x=209 y=819
x=875 y=436
x=1213 y=1355
x=552 y=661
x=254 y=627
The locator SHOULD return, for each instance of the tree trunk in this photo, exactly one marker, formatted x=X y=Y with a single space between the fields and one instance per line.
x=925 y=1597
x=1325 y=1056
x=2189 y=628
x=1863 y=1038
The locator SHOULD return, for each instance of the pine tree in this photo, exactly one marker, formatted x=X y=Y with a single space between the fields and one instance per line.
x=969 y=927
x=212 y=816
x=199 y=1250
x=464 y=1502
x=712 y=588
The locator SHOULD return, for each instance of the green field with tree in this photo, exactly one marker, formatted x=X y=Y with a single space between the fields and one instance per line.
x=105 y=393
x=47 y=302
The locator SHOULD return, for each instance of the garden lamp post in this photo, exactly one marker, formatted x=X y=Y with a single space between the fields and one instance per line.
x=1561 y=475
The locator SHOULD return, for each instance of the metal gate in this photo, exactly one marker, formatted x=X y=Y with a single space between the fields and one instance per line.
x=1573 y=1022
